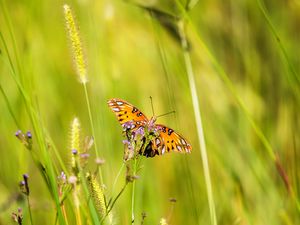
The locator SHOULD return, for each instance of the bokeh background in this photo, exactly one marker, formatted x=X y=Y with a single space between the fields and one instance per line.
x=256 y=44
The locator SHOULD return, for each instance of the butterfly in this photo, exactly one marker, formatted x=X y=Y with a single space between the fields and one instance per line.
x=166 y=140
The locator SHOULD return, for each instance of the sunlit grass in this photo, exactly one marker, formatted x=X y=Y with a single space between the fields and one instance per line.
x=243 y=58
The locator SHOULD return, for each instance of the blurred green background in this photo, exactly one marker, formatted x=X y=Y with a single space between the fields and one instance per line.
x=121 y=45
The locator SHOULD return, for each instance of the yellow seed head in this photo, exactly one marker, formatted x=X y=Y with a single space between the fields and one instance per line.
x=75 y=144
x=76 y=46
x=97 y=194
x=75 y=134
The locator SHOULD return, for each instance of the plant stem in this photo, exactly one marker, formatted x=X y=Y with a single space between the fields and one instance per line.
x=114 y=201
x=92 y=127
x=38 y=130
x=133 y=191
x=29 y=210
x=9 y=107
x=63 y=209
x=92 y=209
x=197 y=113
x=117 y=178
x=78 y=217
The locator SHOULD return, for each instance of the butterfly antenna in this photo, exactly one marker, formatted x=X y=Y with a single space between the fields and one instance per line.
x=166 y=113
x=152 y=105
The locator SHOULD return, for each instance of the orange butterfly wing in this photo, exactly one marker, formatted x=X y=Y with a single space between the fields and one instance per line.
x=167 y=141
x=126 y=112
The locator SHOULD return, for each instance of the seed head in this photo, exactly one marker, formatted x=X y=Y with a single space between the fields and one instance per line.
x=97 y=194
x=76 y=46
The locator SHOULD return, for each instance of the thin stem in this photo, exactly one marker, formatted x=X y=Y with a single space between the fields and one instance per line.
x=92 y=127
x=163 y=59
x=9 y=107
x=63 y=209
x=151 y=101
x=78 y=217
x=170 y=212
x=114 y=201
x=230 y=86
x=29 y=210
x=37 y=127
x=281 y=46
x=12 y=36
x=197 y=113
x=116 y=198
x=117 y=178
x=133 y=191
x=92 y=209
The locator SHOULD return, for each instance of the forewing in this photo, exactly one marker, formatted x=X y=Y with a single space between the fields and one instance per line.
x=127 y=113
x=169 y=140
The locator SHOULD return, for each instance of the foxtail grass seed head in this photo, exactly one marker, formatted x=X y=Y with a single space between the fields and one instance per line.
x=76 y=45
x=75 y=144
x=75 y=134
x=97 y=194
x=74 y=162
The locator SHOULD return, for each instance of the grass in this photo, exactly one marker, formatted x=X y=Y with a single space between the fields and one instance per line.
x=237 y=62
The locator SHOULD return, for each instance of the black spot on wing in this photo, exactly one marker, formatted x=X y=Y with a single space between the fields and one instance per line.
x=170 y=131
x=134 y=110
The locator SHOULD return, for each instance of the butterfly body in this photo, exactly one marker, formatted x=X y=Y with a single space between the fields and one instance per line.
x=157 y=139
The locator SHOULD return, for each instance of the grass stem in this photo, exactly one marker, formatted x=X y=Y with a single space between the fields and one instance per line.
x=117 y=178
x=92 y=127
x=133 y=191
x=200 y=131
x=29 y=210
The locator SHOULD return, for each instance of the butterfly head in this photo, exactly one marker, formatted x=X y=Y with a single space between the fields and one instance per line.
x=151 y=123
